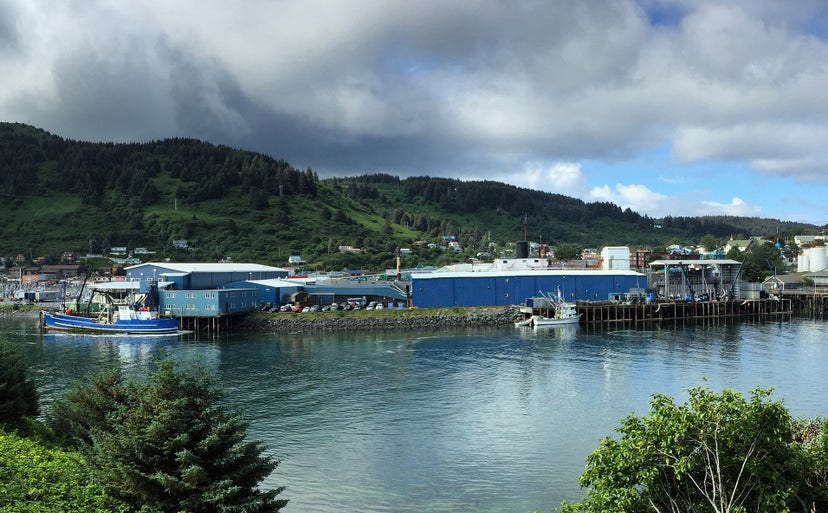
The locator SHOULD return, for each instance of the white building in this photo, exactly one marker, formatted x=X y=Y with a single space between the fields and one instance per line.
x=615 y=258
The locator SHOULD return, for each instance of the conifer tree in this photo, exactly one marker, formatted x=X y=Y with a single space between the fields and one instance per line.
x=168 y=442
x=18 y=393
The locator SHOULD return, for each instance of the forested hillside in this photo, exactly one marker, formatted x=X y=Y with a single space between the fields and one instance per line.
x=70 y=196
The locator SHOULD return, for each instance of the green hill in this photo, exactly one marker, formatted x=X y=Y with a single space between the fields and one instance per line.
x=62 y=195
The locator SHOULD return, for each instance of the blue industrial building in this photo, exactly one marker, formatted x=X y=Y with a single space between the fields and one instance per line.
x=434 y=290
x=200 y=276
x=271 y=292
x=200 y=295
x=214 y=294
x=213 y=303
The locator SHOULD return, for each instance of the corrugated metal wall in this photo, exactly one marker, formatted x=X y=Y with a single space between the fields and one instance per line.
x=484 y=290
x=267 y=293
x=208 y=303
x=201 y=280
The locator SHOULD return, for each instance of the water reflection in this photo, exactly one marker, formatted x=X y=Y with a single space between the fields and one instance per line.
x=449 y=420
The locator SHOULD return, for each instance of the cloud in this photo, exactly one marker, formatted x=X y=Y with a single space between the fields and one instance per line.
x=636 y=197
x=736 y=207
x=483 y=90
x=564 y=178
x=796 y=150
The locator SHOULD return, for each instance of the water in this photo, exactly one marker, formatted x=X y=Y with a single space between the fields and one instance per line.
x=488 y=420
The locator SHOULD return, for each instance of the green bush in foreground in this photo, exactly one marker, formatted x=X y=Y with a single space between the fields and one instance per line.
x=716 y=453
x=39 y=479
x=167 y=442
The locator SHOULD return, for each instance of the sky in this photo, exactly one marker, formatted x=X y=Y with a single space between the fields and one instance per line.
x=666 y=107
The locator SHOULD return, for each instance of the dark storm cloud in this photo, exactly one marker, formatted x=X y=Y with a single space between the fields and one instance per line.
x=484 y=89
x=8 y=32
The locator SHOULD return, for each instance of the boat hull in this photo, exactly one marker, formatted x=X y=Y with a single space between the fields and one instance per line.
x=70 y=323
x=543 y=322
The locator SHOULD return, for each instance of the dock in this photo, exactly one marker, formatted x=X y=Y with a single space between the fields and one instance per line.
x=607 y=312
x=808 y=300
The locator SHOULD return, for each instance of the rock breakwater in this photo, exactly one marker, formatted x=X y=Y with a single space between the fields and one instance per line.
x=379 y=320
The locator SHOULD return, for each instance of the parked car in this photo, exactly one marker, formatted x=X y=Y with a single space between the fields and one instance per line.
x=356 y=302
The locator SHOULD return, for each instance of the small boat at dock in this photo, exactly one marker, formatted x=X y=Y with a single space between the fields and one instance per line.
x=547 y=311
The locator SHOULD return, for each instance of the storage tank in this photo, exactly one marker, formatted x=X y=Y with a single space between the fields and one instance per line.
x=803 y=263
x=818 y=259
x=522 y=249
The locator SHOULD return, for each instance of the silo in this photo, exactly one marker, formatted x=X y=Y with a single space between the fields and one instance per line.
x=818 y=259
x=522 y=249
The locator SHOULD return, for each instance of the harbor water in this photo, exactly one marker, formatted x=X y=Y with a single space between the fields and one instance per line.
x=484 y=420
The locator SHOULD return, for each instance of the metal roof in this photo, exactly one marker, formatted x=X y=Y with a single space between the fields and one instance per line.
x=528 y=272
x=115 y=285
x=685 y=261
x=276 y=283
x=210 y=267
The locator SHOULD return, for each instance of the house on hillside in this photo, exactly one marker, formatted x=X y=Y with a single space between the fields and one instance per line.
x=802 y=240
x=59 y=272
x=69 y=257
x=740 y=244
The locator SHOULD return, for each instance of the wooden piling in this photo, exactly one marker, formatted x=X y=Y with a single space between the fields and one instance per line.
x=606 y=312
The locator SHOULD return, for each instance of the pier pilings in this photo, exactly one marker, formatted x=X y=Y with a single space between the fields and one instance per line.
x=213 y=325
x=607 y=312
x=808 y=300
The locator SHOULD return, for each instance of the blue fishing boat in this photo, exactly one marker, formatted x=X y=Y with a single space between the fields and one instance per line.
x=126 y=320
x=121 y=313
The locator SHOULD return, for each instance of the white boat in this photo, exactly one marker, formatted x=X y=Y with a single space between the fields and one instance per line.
x=563 y=314
x=546 y=310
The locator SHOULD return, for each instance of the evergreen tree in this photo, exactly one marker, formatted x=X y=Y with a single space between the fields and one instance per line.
x=168 y=442
x=568 y=251
x=18 y=394
x=84 y=410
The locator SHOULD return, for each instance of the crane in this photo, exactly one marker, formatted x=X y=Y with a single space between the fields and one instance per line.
x=686 y=280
